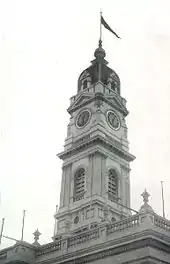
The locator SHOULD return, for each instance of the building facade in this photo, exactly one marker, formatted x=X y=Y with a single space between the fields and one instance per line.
x=94 y=221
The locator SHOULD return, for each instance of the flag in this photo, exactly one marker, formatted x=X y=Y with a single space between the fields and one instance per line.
x=103 y=22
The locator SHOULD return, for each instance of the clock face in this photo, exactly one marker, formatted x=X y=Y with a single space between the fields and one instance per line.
x=83 y=118
x=113 y=120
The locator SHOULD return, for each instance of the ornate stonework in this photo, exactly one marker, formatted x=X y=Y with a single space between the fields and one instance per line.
x=94 y=221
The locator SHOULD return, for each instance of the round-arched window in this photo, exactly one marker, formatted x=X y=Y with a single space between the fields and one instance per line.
x=79 y=184
x=84 y=84
x=112 y=185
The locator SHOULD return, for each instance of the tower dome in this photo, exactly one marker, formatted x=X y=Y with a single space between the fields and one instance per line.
x=99 y=71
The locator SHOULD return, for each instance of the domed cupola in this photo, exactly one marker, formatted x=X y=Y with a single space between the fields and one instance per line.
x=99 y=71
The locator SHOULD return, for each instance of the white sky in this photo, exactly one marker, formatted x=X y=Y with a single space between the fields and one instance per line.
x=44 y=46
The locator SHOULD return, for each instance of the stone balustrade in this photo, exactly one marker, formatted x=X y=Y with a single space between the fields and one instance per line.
x=129 y=222
x=54 y=246
x=132 y=222
x=162 y=223
x=83 y=237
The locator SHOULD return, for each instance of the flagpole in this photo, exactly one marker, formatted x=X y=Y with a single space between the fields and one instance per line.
x=100 y=26
x=2 y=227
x=163 y=206
x=23 y=222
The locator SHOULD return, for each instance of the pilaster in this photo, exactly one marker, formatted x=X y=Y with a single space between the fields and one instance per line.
x=125 y=185
x=97 y=174
x=62 y=188
x=67 y=190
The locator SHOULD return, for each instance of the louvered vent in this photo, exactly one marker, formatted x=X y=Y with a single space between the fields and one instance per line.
x=112 y=185
x=79 y=185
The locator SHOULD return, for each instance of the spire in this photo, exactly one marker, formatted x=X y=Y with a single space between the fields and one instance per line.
x=100 y=54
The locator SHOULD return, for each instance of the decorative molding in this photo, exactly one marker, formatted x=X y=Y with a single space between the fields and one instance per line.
x=98 y=101
x=112 y=101
x=99 y=141
x=143 y=242
x=125 y=168
x=81 y=140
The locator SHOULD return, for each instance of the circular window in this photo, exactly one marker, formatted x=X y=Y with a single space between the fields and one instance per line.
x=113 y=120
x=76 y=220
x=83 y=118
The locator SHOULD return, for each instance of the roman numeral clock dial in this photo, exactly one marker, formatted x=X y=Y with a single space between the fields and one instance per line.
x=83 y=118
x=113 y=120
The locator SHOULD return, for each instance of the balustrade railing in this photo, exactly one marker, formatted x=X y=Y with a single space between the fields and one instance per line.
x=54 y=246
x=162 y=223
x=84 y=237
x=124 y=224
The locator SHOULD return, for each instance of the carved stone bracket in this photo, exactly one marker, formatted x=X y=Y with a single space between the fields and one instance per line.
x=125 y=168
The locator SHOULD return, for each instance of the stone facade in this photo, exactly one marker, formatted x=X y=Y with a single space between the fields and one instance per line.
x=94 y=222
x=97 y=148
x=141 y=238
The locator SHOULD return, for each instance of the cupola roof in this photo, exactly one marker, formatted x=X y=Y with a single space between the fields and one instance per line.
x=99 y=71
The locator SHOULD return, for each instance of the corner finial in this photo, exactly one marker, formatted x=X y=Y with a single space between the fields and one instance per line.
x=145 y=196
x=145 y=207
x=36 y=237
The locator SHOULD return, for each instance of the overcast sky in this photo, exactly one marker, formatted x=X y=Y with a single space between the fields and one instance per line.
x=44 y=46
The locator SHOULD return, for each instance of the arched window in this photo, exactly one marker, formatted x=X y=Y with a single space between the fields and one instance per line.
x=112 y=185
x=79 y=184
x=113 y=219
x=113 y=85
x=84 y=84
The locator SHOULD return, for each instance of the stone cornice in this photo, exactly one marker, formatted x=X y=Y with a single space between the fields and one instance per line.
x=98 y=140
x=100 y=201
x=146 y=260
x=147 y=238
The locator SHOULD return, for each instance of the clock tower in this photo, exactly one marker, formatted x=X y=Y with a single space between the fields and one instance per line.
x=93 y=223
x=95 y=184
